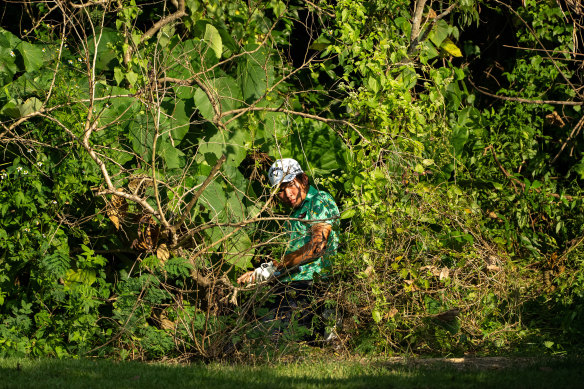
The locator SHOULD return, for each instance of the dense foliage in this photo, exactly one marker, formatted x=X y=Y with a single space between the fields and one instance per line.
x=135 y=138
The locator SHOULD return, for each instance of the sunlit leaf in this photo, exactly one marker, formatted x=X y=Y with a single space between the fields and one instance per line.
x=213 y=39
x=451 y=48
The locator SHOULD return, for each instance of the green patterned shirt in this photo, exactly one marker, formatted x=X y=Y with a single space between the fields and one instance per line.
x=317 y=207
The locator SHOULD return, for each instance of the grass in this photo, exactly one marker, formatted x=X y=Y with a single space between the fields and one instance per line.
x=88 y=374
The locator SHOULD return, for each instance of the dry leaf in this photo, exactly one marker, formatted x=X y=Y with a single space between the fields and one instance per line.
x=117 y=210
x=554 y=119
x=444 y=273
x=368 y=271
x=493 y=268
x=113 y=217
x=162 y=252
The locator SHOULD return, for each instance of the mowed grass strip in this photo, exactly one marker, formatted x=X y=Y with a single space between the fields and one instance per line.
x=88 y=374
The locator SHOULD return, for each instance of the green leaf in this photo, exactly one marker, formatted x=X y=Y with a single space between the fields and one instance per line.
x=213 y=39
x=451 y=48
x=11 y=109
x=32 y=56
x=373 y=84
x=203 y=104
x=105 y=45
x=118 y=75
x=439 y=32
x=349 y=213
x=279 y=8
x=30 y=106
x=225 y=90
x=232 y=144
x=252 y=71
x=320 y=43
x=8 y=66
x=376 y=316
x=131 y=77
x=239 y=251
x=427 y=51
x=171 y=155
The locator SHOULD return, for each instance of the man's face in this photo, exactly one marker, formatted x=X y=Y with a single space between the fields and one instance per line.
x=292 y=193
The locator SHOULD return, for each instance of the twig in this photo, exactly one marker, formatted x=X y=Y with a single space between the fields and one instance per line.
x=297 y=113
x=527 y=101
x=196 y=196
x=541 y=44
x=514 y=180
x=180 y=12
x=573 y=134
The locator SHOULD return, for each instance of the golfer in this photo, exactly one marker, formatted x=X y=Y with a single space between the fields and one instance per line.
x=312 y=235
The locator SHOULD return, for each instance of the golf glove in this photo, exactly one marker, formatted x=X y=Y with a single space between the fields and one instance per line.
x=264 y=272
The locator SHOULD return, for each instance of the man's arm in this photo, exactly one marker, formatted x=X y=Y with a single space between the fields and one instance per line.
x=310 y=251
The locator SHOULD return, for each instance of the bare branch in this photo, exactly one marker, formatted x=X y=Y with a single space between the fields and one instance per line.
x=297 y=113
x=527 y=101
x=90 y=3
x=196 y=196
x=573 y=134
x=180 y=12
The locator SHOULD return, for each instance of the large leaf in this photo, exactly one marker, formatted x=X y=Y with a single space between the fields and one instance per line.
x=141 y=135
x=178 y=114
x=213 y=40
x=203 y=104
x=172 y=157
x=460 y=131
x=233 y=144
x=213 y=199
x=105 y=42
x=8 y=66
x=312 y=143
x=183 y=59
x=451 y=48
x=439 y=32
x=117 y=109
x=238 y=247
x=255 y=72
x=32 y=56
x=30 y=106
x=224 y=90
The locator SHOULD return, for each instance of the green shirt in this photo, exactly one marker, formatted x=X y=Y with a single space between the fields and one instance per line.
x=317 y=207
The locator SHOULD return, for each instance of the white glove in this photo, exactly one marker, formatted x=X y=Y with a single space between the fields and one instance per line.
x=263 y=273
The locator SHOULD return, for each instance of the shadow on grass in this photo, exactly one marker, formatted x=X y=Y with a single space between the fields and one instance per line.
x=86 y=374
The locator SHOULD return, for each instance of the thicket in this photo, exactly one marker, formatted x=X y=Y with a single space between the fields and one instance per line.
x=136 y=135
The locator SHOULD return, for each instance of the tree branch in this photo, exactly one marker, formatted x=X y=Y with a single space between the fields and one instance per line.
x=527 y=101
x=297 y=113
x=180 y=12
x=196 y=196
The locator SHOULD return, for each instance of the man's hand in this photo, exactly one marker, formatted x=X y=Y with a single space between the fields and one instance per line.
x=246 y=278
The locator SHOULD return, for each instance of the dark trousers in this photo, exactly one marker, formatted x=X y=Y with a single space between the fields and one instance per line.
x=292 y=309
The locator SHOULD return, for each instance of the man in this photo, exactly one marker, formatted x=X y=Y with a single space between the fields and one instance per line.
x=312 y=242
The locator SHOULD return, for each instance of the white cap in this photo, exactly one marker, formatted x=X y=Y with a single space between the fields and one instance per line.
x=283 y=170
